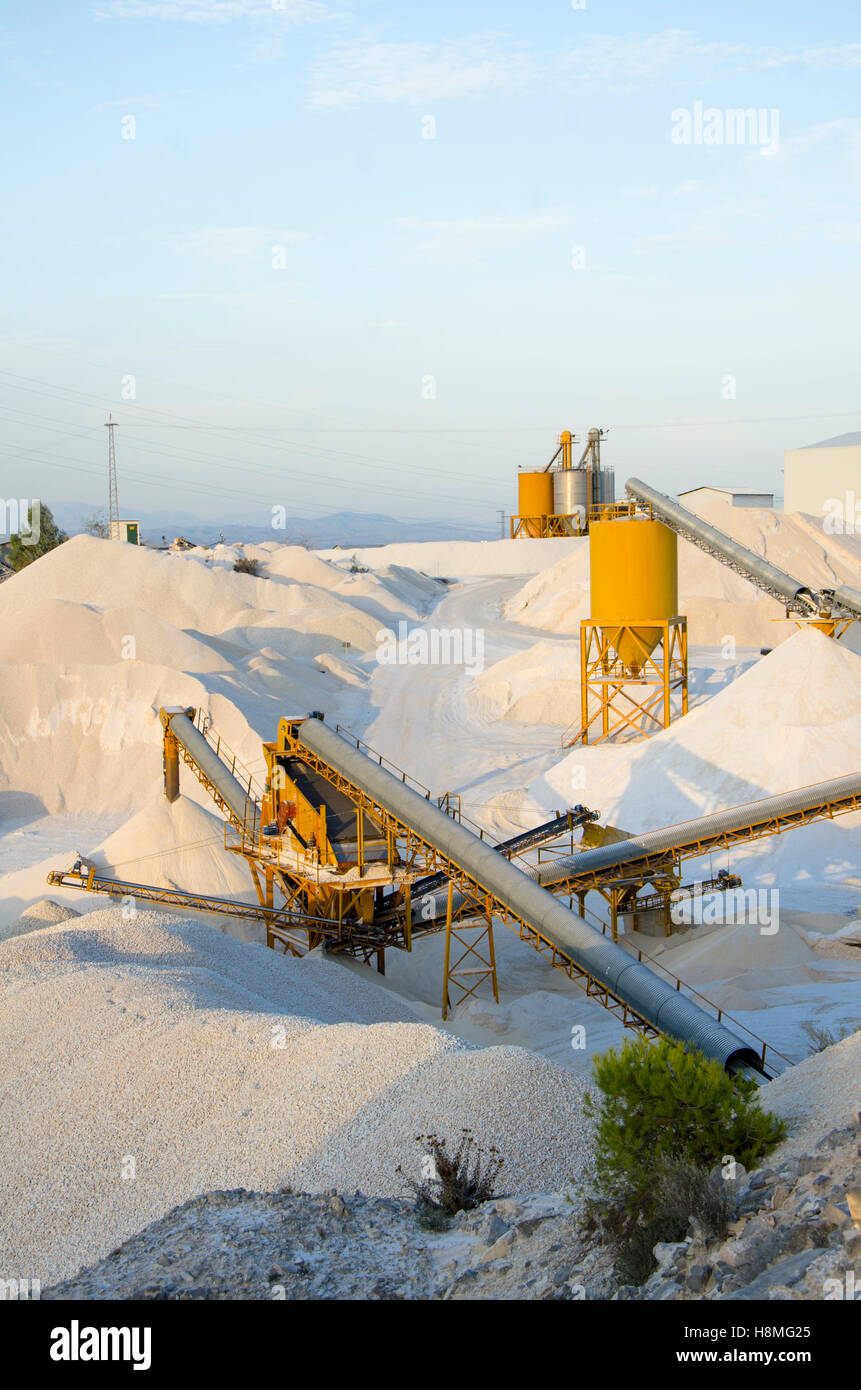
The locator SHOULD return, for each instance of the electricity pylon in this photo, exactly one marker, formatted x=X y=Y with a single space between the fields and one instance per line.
x=113 y=500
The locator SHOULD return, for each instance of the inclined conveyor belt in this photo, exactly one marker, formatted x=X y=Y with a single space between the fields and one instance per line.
x=658 y=1003
x=788 y=591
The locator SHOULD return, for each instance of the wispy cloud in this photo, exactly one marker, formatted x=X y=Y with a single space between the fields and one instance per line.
x=653 y=191
x=614 y=61
x=465 y=241
x=829 y=56
x=215 y=11
x=353 y=74
x=151 y=101
x=223 y=244
x=368 y=71
x=847 y=129
x=704 y=232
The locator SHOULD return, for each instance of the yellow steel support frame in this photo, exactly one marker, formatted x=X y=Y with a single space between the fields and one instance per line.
x=274 y=918
x=172 y=748
x=825 y=622
x=606 y=682
x=540 y=527
x=473 y=936
x=412 y=845
x=667 y=862
x=569 y=524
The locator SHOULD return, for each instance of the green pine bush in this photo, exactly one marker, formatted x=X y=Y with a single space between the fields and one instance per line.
x=661 y=1104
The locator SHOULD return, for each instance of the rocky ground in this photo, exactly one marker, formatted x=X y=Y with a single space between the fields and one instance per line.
x=796 y=1235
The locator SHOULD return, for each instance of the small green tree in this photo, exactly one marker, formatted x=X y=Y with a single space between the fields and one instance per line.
x=661 y=1104
x=46 y=536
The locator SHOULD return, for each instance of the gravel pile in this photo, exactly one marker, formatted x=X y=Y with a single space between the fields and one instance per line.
x=42 y=914
x=151 y=1061
x=820 y=1094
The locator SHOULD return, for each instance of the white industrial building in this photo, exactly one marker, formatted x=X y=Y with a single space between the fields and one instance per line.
x=823 y=479
x=736 y=496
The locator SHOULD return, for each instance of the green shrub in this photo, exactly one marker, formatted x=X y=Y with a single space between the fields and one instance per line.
x=661 y=1104
x=50 y=536
x=682 y=1190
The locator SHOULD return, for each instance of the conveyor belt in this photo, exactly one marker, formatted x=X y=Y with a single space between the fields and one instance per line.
x=773 y=581
x=739 y=824
x=608 y=972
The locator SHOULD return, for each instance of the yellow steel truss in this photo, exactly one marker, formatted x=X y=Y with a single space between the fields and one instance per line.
x=472 y=936
x=607 y=685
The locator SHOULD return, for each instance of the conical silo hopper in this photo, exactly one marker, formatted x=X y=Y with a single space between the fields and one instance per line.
x=633 y=568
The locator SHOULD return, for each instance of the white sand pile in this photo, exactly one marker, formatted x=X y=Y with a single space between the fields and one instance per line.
x=818 y=1095
x=182 y=593
x=302 y=566
x=94 y=637
x=89 y=737
x=536 y=686
x=461 y=559
x=396 y=589
x=167 y=1051
x=798 y=543
x=792 y=718
x=58 y=632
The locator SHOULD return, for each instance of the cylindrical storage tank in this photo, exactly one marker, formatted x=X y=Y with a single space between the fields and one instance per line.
x=608 y=485
x=571 y=492
x=534 y=499
x=633 y=575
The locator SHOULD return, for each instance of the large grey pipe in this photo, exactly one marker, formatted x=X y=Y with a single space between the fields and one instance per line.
x=694 y=831
x=760 y=572
x=650 y=997
x=848 y=599
x=229 y=789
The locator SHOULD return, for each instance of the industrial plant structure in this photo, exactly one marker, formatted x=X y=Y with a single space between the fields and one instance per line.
x=348 y=852
x=563 y=498
x=634 y=644
x=364 y=860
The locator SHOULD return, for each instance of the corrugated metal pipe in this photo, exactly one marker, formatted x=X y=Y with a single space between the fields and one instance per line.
x=846 y=598
x=692 y=831
x=652 y=998
x=761 y=572
x=232 y=791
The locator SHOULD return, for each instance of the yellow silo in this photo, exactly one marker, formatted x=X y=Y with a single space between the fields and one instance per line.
x=535 y=500
x=633 y=567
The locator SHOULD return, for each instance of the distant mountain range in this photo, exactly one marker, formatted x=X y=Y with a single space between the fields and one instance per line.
x=341 y=528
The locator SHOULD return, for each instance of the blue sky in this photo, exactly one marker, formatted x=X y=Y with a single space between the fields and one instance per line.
x=321 y=307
